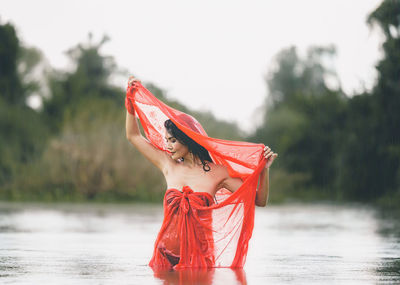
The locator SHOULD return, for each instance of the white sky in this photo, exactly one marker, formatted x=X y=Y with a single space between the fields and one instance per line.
x=208 y=54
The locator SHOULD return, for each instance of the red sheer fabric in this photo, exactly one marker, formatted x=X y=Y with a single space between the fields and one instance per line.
x=200 y=230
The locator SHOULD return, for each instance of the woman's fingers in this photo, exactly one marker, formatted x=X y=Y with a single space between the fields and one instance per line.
x=268 y=153
x=269 y=156
x=132 y=80
x=267 y=150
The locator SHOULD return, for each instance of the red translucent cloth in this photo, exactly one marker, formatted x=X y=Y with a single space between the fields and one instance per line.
x=200 y=230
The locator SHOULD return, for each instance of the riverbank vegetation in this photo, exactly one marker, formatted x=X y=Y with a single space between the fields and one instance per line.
x=332 y=146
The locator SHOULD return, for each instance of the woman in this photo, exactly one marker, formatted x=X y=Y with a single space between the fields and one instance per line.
x=206 y=223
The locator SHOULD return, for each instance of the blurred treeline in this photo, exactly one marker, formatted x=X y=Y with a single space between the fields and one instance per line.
x=332 y=146
x=73 y=148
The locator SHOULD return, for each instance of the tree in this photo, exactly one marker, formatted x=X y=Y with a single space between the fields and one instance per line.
x=90 y=78
x=10 y=83
x=377 y=164
x=304 y=117
x=291 y=75
x=22 y=131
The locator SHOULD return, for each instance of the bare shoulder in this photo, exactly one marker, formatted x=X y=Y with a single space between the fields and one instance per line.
x=220 y=174
x=219 y=170
x=224 y=179
x=169 y=164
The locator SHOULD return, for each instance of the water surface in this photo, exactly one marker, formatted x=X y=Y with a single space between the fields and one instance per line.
x=112 y=244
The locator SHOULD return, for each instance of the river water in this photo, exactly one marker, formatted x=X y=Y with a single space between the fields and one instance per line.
x=112 y=244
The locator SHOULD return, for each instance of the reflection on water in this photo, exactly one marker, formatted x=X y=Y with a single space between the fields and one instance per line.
x=112 y=244
x=389 y=227
x=201 y=276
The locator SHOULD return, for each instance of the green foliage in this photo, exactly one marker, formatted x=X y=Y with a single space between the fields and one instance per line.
x=303 y=120
x=22 y=137
x=10 y=83
x=387 y=17
x=89 y=79
x=375 y=128
x=30 y=60
x=330 y=146
x=292 y=76
x=22 y=131
x=347 y=148
x=87 y=156
x=91 y=158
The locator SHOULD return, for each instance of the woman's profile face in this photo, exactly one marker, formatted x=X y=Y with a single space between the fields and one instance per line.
x=175 y=147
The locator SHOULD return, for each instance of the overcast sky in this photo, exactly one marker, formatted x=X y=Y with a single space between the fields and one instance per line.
x=210 y=55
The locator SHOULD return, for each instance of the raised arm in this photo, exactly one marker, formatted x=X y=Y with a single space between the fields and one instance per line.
x=158 y=157
x=232 y=184
x=263 y=187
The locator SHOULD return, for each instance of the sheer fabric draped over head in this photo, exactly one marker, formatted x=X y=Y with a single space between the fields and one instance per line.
x=229 y=221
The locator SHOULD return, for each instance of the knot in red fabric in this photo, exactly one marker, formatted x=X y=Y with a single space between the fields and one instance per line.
x=186 y=191
x=184 y=205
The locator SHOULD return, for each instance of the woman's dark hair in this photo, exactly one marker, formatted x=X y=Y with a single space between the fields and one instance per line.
x=193 y=146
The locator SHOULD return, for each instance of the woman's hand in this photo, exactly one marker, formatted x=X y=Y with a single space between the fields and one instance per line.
x=132 y=81
x=270 y=156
